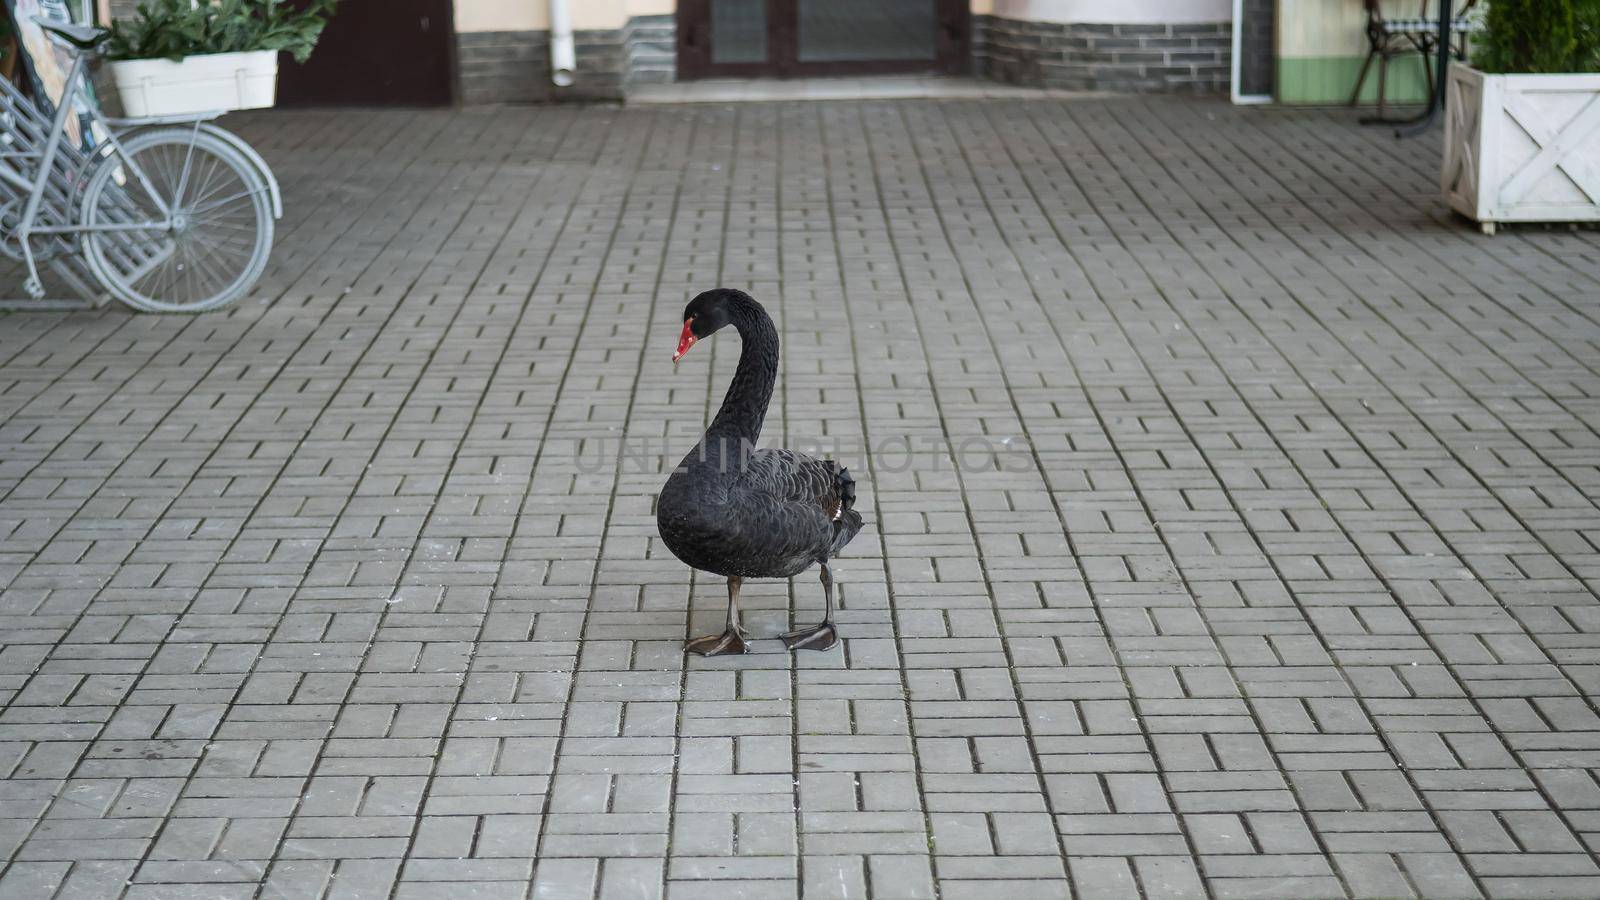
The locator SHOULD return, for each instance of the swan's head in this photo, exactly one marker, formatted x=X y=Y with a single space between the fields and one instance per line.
x=705 y=314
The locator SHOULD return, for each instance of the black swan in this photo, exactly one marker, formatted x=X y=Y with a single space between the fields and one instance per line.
x=739 y=512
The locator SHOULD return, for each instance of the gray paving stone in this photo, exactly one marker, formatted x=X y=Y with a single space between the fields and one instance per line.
x=1233 y=524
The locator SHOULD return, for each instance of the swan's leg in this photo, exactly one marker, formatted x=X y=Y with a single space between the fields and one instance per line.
x=821 y=636
x=731 y=640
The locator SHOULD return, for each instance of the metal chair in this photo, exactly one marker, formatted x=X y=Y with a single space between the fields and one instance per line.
x=1388 y=38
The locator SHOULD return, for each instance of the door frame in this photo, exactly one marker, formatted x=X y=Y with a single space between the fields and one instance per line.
x=952 y=41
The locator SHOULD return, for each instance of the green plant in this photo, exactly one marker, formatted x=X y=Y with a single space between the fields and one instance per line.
x=173 y=29
x=1534 y=36
x=1586 y=22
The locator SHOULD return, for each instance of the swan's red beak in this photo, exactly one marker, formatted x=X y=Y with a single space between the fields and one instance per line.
x=685 y=341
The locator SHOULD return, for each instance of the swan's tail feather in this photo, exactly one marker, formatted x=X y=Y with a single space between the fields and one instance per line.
x=848 y=522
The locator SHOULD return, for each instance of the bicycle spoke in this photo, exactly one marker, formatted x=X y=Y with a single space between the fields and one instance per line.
x=183 y=176
x=232 y=198
x=155 y=273
x=199 y=181
x=220 y=175
x=226 y=242
x=220 y=275
x=193 y=276
x=216 y=253
x=146 y=267
x=226 y=226
x=222 y=219
x=224 y=267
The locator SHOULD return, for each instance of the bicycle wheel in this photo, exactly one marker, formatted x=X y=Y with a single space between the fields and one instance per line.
x=212 y=249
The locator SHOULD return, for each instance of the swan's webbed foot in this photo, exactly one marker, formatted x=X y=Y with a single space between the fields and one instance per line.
x=818 y=637
x=731 y=640
x=727 y=643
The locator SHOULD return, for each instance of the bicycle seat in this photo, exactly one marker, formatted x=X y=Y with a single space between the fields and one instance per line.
x=84 y=37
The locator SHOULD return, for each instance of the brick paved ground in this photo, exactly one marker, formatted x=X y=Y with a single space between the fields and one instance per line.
x=1287 y=587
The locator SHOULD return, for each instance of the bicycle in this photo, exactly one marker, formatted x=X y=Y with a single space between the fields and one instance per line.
x=165 y=218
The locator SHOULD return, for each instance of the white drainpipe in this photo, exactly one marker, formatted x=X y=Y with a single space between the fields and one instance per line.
x=563 y=58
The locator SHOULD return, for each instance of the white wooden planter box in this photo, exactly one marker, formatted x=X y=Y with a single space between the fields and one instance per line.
x=1522 y=148
x=196 y=84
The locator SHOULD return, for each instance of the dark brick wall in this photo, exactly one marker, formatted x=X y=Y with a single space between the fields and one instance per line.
x=1191 y=58
x=503 y=66
x=600 y=67
x=514 y=66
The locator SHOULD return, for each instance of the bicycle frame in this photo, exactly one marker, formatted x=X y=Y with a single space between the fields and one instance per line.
x=72 y=93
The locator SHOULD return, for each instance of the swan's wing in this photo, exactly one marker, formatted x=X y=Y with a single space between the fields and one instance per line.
x=787 y=502
x=795 y=478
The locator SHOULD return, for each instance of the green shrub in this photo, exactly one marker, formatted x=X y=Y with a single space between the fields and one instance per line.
x=1528 y=36
x=174 y=29
x=1586 y=22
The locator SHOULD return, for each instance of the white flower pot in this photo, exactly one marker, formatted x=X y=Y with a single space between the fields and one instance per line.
x=1522 y=148
x=196 y=84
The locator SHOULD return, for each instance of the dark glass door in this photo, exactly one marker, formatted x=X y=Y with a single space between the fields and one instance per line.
x=788 y=38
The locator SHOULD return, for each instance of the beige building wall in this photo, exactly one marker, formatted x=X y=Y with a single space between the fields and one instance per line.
x=534 y=15
x=1131 y=12
x=1322 y=45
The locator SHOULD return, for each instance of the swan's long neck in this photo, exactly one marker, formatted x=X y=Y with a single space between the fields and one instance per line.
x=745 y=405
